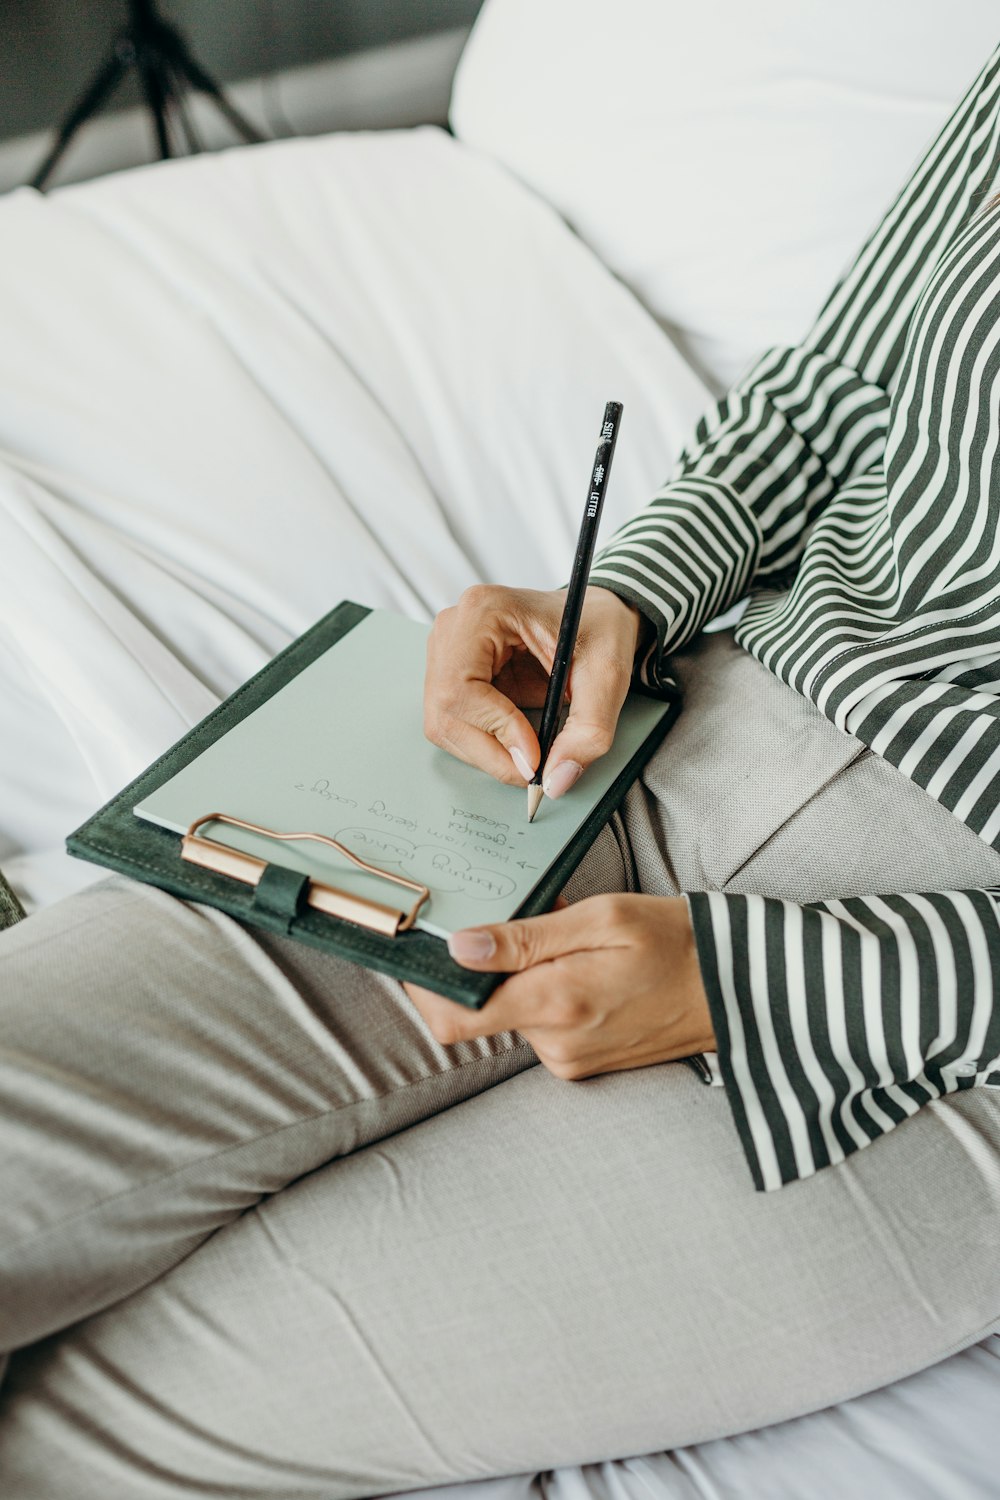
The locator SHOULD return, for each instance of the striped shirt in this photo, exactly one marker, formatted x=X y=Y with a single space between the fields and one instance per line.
x=851 y=487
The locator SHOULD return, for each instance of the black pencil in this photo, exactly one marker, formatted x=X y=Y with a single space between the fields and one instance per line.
x=574 y=598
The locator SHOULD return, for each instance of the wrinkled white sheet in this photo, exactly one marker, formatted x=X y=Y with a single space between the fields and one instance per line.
x=237 y=389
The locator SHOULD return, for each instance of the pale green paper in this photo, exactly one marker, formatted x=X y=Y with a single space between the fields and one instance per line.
x=340 y=750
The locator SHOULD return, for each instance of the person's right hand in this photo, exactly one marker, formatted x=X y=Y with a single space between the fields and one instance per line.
x=490 y=655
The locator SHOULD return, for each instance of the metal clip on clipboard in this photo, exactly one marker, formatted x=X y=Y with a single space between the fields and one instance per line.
x=225 y=860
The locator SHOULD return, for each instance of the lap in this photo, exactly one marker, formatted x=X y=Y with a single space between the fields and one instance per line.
x=164 y=1067
x=754 y=790
x=544 y=1273
x=549 y=1273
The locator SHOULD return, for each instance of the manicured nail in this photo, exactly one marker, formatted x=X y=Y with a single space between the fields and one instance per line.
x=562 y=778
x=472 y=945
x=521 y=762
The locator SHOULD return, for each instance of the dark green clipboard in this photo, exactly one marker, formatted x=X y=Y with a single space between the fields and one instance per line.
x=116 y=838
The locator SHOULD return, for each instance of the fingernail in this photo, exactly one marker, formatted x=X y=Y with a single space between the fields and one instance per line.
x=521 y=762
x=562 y=778
x=472 y=945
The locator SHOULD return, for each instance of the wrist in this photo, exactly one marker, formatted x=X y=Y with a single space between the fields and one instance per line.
x=639 y=630
x=689 y=987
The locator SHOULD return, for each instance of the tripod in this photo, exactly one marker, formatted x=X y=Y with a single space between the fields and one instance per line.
x=166 y=71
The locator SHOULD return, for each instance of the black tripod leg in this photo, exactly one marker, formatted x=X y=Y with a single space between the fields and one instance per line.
x=178 y=93
x=156 y=97
x=191 y=136
x=187 y=66
x=88 y=104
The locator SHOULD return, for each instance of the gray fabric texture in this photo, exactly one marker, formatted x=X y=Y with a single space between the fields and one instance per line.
x=481 y=1269
x=754 y=790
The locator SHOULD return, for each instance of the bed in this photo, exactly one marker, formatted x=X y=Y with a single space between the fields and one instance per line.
x=236 y=389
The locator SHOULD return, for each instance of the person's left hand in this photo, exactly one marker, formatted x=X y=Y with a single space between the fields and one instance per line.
x=611 y=982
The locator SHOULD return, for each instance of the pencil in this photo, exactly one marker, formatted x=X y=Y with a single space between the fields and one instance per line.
x=579 y=578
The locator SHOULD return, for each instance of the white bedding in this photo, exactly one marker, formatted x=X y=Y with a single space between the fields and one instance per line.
x=237 y=389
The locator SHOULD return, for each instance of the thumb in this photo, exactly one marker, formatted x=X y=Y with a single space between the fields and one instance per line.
x=598 y=688
x=509 y=947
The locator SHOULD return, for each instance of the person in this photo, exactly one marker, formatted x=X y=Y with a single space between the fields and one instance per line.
x=535 y=1265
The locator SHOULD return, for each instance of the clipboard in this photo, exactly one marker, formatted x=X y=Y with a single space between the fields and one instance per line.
x=267 y=894
x=236 y=863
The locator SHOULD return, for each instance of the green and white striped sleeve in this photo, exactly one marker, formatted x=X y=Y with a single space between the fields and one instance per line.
x=738 y=511
x=803 y=421
x=835 y=1021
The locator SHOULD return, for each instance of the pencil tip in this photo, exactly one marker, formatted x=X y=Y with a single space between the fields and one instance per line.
x=535 y=795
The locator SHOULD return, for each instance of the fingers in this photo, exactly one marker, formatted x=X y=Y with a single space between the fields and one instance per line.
x=499 y=642
x=599 y=682
x=510 y=947
x=613 y=982
x=540 y=1003
x=482 y=727
x=452 y=1022
x=513 y=1006
x=598 y=688
x=447 y=1020
x=470 y=647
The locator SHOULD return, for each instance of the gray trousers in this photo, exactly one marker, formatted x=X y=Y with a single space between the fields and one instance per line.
x=308 y=1251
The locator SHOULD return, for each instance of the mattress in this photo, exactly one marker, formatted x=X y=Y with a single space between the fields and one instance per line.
x=235 y=390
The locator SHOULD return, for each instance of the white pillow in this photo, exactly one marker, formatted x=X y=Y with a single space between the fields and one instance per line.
x=724 y=160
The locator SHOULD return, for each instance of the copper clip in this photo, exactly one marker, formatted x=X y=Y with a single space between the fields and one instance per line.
x=226 y=860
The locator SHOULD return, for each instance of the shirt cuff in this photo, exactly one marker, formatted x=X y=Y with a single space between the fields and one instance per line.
x=683 y=560
x=706 y=1065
